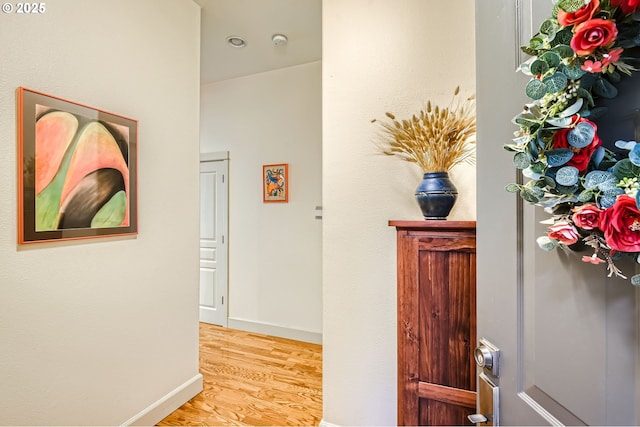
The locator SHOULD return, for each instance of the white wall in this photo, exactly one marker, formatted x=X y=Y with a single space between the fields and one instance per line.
x=275 y=249
x=378 y=56
x=95 y=331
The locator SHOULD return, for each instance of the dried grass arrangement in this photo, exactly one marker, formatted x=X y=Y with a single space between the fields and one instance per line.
x=436 y=139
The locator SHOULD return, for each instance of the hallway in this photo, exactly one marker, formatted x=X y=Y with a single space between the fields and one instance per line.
x=253 y=379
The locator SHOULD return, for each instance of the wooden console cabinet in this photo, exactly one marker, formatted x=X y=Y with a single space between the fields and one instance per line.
x=436 y=321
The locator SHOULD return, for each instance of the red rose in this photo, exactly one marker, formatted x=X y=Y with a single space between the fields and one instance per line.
x=592 y=34
x=621 y=225
x=581 y=156
x=586 y=216
x=583 y=14
x=627 y=6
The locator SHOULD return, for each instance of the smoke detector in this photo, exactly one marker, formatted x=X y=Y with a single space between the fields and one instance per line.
x=279 y=39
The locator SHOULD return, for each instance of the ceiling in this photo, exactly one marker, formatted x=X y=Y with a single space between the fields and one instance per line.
x=257 y=21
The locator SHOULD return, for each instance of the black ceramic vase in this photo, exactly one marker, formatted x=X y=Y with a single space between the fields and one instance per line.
x=436 y=195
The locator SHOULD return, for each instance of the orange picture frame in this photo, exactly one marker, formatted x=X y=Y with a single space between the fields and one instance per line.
x=275 y=183
x=77 y=170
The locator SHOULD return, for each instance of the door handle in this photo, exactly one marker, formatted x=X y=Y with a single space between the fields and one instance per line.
x=487 y=357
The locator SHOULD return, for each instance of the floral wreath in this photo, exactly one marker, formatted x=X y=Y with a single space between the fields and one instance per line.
x=591 y=192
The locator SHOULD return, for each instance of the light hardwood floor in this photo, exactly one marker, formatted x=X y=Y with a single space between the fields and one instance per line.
x=256 y=380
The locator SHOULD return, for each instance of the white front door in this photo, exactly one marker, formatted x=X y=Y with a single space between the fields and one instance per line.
x=567 y=335
x=213 y=242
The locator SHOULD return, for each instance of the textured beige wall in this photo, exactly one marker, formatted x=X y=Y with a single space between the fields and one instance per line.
x=378 y=56
x=94 y=331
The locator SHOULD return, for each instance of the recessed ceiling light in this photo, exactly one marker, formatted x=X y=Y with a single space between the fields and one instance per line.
x=236 y=41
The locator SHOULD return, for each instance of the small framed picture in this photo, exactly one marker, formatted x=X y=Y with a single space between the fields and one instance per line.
x=77 y=170
x=275 y=183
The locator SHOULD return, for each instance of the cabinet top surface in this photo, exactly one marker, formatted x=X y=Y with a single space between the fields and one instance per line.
x=432 y=225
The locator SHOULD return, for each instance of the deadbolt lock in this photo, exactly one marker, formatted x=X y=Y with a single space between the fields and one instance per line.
x=487 y=357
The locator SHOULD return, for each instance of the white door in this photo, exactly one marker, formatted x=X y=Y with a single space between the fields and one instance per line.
x=213 y=242
x=567 y=335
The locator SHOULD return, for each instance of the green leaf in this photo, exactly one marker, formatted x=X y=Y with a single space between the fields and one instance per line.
x=559 y=157
x=572 y=109
x=536 y=43
x=535 y=89
x=539 y=67
x=547 y=181
x=546 y=243
x=563 y=50
x=512 y=188
x=529 y=51
x=595 y=178
x=602 y=87
x=555 y=83
x=571 y=5
x=585 y=196
x=585 y=94
x=551 y=58
x=528 y=195
x=582 y=135
x=563 y=37
x=567 y=176
x=625 y=169
x=521 y=161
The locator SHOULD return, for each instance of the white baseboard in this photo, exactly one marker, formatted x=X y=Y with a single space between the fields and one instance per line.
x=275 y=330
x=324 y=423
x=159 y=410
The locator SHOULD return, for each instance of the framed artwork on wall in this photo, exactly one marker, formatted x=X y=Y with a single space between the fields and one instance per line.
x=77 y=170
x=275 y=183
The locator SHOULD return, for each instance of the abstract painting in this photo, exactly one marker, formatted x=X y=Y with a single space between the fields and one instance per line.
x=77 y=170
x=275 y=183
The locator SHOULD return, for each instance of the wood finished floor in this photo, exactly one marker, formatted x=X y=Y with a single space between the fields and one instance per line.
x=254 y=380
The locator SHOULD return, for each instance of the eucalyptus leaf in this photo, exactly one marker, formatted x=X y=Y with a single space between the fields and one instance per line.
x=551 y=58
x=585 y=196
x=634 y=155
x=561 y=122
x=563 y=37
x=521 y=160
x=528 y=195
x=567 y=189
x=564 y=51
x=625 y=169
x=602 y=87
x=546 y=243
x=598 y=156
x=595 y=178
x=559 y=157
x=567 y=176
x=570 y=5
x=582 y=135
x=594 y=113
x=512 y=188
x=585 y=94
x=556 y=82
x=635 y=280
x=572 y=109
x=539 y=67
x=535 y=89
x=572 y=72
x=607 y=201
x=625 y=145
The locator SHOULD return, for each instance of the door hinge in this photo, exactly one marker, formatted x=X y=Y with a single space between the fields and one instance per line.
x=222 y=299
x=223 y=239
x=223 y=178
